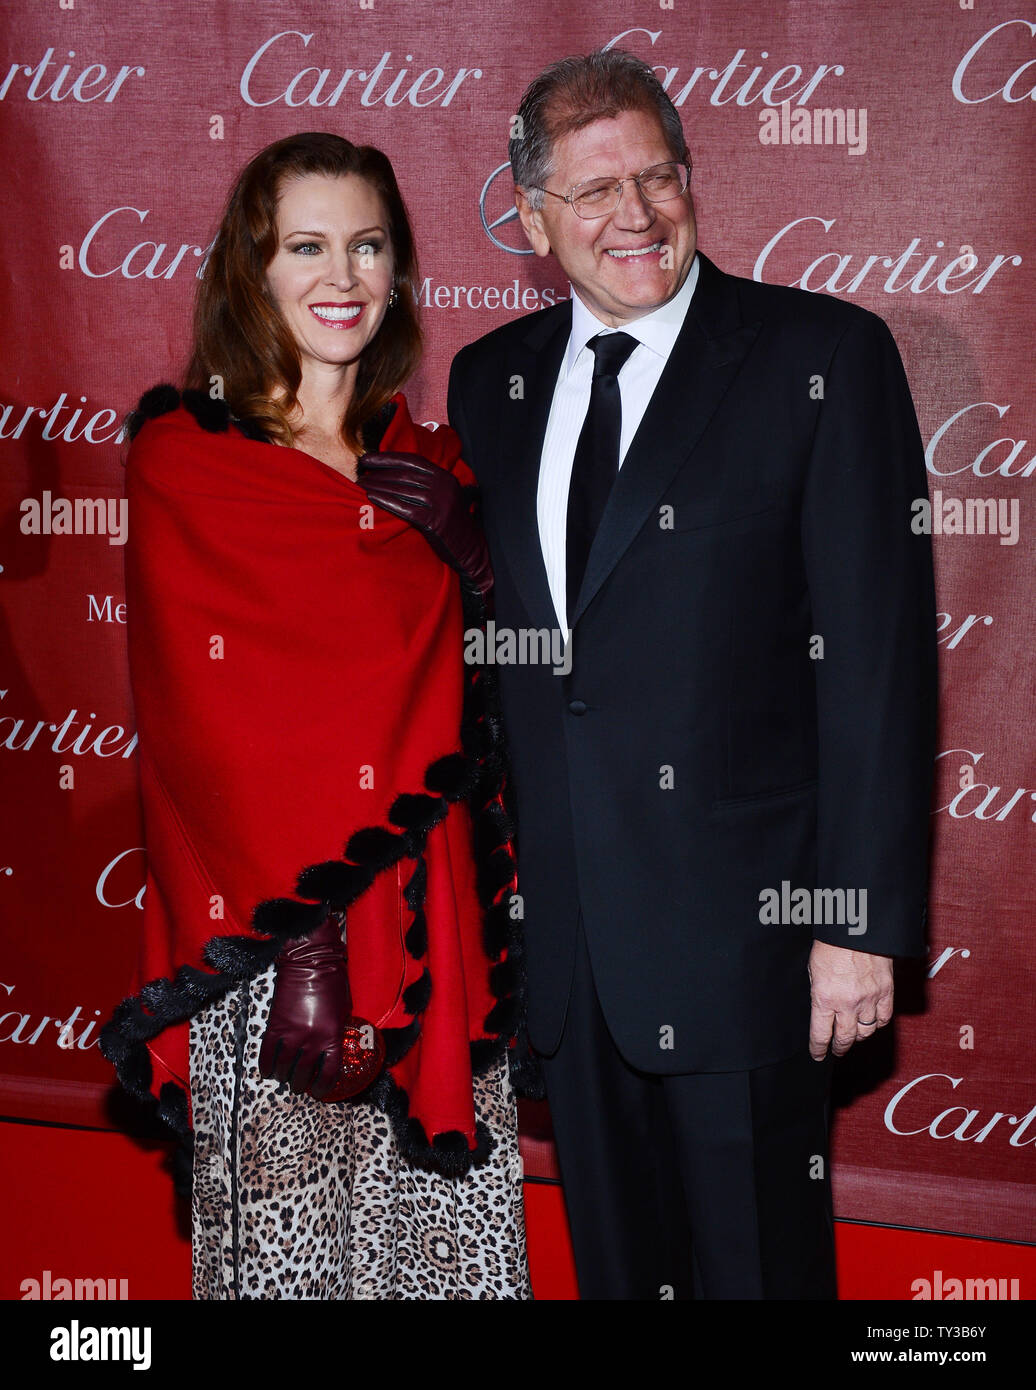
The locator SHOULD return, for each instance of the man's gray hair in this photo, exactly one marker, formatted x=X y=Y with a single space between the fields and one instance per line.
x=573 y=93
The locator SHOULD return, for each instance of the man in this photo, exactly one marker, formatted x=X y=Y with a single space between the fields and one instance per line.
x=707 y=481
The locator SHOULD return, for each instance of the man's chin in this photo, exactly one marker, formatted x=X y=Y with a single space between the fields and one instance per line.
x=636 y=301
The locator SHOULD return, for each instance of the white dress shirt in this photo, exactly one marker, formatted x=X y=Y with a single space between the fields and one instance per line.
x=656 y=333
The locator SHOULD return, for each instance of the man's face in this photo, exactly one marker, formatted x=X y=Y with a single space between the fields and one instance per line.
x=616 y=288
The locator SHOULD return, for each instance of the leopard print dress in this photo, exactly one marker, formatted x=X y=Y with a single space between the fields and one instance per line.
x=296 y=1199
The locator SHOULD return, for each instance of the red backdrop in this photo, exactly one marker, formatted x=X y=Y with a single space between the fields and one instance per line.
x=124 y=125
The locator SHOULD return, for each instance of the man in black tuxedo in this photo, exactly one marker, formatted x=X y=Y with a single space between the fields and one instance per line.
x=708 y=481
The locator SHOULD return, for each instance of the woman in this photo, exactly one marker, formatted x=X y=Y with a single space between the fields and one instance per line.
x=316 y=756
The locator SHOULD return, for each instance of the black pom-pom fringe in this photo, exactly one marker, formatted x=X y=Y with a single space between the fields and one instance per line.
x=417 y=995
x=334 y=882
x=374 y=847
x=416 y=939
x=212 y=414
x=160 y=400
x=372 y=431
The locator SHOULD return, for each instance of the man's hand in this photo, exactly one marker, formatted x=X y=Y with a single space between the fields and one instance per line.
x=852 y=997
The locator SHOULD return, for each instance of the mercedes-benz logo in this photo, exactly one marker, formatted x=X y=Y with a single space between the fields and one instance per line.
x=509 y=214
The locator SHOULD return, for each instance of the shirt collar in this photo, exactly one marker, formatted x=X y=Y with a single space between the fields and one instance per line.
x=658 y=330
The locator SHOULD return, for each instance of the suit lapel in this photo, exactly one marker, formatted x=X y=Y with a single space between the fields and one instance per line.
x=705 y=359
x=537 y=360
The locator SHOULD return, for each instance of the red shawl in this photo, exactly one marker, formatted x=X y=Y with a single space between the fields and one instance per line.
x=308 y=727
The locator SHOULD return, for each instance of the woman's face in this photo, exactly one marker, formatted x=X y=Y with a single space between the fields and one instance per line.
x=331 y=274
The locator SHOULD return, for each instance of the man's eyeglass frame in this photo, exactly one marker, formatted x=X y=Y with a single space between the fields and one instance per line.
x=616 y=187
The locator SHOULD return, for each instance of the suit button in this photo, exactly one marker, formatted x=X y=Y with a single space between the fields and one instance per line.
x=577 y=706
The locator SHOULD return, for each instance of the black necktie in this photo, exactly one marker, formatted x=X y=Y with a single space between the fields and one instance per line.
x=596 y=462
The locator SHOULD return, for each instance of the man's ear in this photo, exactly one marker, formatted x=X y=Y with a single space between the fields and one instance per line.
x=532 y=221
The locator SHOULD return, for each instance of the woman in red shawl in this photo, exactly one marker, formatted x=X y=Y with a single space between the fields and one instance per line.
x=330 y=894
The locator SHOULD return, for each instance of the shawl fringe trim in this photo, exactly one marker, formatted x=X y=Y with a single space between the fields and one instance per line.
x=476 y=775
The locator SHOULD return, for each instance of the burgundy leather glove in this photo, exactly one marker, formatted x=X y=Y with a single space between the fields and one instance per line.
x=432 y=500
x=308 y=1013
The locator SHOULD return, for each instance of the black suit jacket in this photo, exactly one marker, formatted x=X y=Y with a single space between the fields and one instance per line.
x=701 y=751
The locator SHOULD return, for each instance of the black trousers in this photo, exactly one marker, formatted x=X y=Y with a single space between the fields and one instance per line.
x=706 y=1185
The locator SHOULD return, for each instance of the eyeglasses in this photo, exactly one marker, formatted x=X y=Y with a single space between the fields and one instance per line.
x=599 y=197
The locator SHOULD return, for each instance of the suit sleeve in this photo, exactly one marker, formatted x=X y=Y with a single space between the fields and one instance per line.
x=455 y=409
x=873 y=602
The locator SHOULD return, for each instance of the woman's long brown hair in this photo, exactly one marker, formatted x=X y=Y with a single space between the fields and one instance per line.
x=239 y=335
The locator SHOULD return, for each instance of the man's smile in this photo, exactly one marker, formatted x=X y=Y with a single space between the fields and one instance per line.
x=624 y=254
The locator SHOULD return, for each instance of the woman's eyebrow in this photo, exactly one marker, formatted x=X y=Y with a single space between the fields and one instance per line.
x=303 y=232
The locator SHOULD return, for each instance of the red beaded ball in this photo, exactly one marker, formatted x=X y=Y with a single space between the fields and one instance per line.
x=363 y=1056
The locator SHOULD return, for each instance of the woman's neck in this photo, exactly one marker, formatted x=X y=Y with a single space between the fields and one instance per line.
x=323 y=399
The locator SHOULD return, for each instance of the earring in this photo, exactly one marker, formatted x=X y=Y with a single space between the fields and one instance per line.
x=393 y=298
